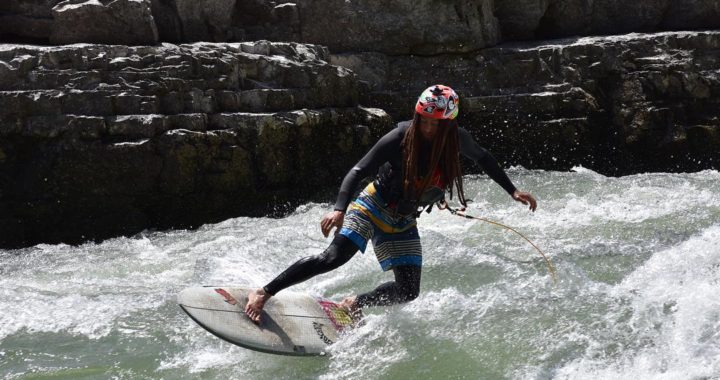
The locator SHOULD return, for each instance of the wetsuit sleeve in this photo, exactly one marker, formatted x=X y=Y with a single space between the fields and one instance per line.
x=472 y=150
x=379 y=154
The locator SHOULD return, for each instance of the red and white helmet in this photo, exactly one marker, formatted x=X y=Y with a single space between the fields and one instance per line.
x=438 y=102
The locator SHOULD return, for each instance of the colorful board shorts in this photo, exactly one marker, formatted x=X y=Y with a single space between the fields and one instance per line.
x=394 y=237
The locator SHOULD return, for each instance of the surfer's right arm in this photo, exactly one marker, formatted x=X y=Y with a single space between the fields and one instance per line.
x=380 y=153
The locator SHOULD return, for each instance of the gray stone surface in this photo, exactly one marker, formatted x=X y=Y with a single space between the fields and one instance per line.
x=588 y=17
x=205 y=20
x=619 y=104
x=167 y=20
x=519 y=19
x=399 y=27
x=127 y=22
x=102 y=140
x=692 y=13
x=26 y=21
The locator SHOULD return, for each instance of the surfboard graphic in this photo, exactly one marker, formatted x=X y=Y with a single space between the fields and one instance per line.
x=291 y=323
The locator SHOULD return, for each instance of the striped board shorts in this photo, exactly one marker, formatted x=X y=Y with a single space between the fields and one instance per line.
x=394 y=237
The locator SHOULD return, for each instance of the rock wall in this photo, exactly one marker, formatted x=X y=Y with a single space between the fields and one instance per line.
x=399 y=27
x=101 y=140
x=619 y=105
x=98 y=141
x=396 y=27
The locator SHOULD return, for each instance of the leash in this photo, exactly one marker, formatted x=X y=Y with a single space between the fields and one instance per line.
x=443 y=205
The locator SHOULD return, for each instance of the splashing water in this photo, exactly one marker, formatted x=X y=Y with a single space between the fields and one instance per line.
x=638 y=278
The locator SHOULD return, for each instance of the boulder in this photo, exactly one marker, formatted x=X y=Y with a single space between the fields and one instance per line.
x=121 y=22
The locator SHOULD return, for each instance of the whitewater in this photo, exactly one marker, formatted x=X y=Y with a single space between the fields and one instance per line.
x=637 y=261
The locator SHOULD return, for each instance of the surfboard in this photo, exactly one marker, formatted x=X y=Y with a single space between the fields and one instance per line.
x=291 y=323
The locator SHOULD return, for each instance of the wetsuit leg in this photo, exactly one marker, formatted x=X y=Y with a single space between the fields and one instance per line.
x=405 y=288
x=340 y=251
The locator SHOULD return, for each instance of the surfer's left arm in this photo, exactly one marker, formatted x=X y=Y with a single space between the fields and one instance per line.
x=472 y=150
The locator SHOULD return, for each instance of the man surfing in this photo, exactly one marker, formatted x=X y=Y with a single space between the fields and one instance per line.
x=415 y=164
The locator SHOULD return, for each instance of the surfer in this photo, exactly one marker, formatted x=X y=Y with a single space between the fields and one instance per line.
x=415 y=164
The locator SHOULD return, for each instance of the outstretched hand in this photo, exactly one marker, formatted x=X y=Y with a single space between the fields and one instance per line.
x=332 y=219
x=525 y=198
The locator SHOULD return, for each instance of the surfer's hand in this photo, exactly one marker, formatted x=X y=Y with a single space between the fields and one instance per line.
x=330 y=220
x=525 y=198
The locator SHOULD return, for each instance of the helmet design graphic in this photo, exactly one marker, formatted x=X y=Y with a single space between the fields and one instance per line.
x=438 y=102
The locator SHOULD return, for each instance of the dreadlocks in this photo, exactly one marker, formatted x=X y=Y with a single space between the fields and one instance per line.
x=445 y=155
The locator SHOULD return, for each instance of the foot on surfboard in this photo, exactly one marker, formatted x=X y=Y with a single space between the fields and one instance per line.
x=350 y=306
x=255 y=304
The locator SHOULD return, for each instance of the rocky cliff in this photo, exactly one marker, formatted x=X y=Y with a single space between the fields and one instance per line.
x=617 y=104
x=99 y=140
x=396 y=27
x=142 y=126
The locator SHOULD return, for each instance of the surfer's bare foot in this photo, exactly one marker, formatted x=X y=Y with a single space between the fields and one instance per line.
x=255 y=304
x=353 y=309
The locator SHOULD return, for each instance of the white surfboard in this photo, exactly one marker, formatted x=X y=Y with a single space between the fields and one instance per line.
x=291 y=323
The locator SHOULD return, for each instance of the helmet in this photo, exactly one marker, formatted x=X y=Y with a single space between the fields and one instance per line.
x=438 y=102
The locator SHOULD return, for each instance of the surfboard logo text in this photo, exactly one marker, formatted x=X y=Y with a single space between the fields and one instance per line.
x=228 y=298
x=321 y=334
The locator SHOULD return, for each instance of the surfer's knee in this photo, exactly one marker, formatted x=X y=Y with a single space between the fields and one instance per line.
x=329 y=259
x=340 y=251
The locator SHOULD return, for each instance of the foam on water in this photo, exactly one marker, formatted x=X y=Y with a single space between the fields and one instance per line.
x=636 y=296
x=674 y=309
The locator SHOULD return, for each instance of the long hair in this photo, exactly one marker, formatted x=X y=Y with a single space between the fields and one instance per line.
x=445 y=154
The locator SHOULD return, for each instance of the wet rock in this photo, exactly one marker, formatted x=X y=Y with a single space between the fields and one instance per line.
x=618 y=104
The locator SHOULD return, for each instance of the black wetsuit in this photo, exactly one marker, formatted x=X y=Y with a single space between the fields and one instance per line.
x=385 y=159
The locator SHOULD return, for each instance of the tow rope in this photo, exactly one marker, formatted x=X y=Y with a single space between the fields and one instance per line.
x=443 y=205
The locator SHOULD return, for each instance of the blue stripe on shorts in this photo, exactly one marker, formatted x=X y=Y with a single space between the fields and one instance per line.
x=355 y=237
x=395 y=239
x=401 y=260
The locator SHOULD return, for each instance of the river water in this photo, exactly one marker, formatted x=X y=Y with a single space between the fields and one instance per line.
x=637 y=259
